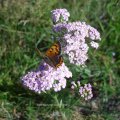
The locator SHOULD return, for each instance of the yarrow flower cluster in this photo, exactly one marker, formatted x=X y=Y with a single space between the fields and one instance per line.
x=84 y=91
x=74 y=38
x=46 y=78
x=60 y=15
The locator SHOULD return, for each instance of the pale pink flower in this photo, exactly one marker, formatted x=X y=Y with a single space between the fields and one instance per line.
x=46 y=78
x=74 y=40
x=86 y=91
x=60 y=15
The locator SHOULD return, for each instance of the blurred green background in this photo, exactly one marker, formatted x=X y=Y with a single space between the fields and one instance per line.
x=22 y=24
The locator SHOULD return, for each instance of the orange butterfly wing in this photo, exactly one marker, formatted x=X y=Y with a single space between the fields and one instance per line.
x=53 y=56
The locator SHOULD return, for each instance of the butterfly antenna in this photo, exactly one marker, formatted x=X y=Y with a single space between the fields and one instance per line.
x=38 y=51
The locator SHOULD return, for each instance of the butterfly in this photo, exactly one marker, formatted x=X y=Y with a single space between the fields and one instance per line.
x=53 y=55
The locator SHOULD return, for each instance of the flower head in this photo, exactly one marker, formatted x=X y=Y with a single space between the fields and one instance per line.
x=86 y=91
x=93 y=33
x=46 y=78
x=74 y=36
x=59 y=15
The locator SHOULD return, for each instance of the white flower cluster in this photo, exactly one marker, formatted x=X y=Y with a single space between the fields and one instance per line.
x=86 y=91
x=74 y=37
x=46 y=78
x=59 y=15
